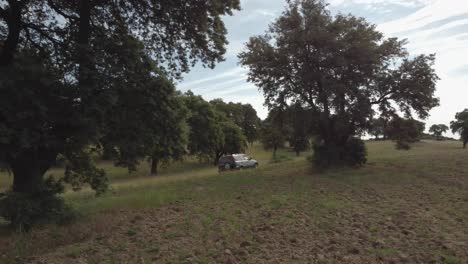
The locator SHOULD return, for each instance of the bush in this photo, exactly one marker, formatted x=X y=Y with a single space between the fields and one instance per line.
x=356 y=152
x=402 y=145
x=24 y=210
x=352 y=154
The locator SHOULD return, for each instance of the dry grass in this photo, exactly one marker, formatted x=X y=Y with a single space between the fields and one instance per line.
x=402 y=207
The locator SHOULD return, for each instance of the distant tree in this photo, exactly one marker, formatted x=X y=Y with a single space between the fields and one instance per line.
x=460 y=126
x=273 y=132
x=170 y=142
x=206 y=134
x=234 y=141
x=251 y=124
x=342 y=69
x=405 y=131
x=438 y=130
x=147 y=115
x=243 y=115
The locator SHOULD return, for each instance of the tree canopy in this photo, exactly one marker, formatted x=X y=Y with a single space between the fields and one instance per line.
x=341 y=68
x=77 y=75
x=243 y=115
x=460 y=126
x=273 y=133
x=438 y=131
x=405 y=131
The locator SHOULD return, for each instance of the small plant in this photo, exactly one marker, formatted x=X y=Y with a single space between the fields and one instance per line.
x=131 y=232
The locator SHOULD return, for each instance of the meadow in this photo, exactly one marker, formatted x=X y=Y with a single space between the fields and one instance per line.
x=402 y=207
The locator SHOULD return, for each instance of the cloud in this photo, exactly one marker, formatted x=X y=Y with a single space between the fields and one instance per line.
x=405 y=3
x=431 y=26
x=232 y=73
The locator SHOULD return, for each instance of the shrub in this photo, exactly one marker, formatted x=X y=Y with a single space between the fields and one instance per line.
x=403 y=145
x=356 y=152
x=353 y=154
x=24 y=210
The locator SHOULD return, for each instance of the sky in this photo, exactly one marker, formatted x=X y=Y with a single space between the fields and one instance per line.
x=431 y=26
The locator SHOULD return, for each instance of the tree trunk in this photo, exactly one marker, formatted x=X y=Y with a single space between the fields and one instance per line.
x=216 y=158
x=154 y=166
x=465 y=143
x=298 y=153
x=29 y=168
x=13 y=20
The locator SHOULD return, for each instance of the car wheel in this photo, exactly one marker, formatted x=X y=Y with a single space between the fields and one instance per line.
x=256 y=165
x=227 y=166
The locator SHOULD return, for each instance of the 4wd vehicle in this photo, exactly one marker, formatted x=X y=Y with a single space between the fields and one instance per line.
x=236 y=162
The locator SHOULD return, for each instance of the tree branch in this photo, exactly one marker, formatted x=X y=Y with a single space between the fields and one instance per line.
x=60 y=12
x=41 y=32
x=382 y=98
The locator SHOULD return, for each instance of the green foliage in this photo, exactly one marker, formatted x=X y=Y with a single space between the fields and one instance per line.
x=340 y=68
x=273 y=131
x=25 y=210
x=460 y=126
x=352 y=154
x=213 y=131
x=177 y=34
x=234 y=140
x=243 y=115
x=300 y=124
x=438 y=130
x=88 y=74
x=405 y=132
x=206 y=133
x=80 y=168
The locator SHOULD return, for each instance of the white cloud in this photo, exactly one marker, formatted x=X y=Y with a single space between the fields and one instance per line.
x=439 y=28
x=434 y=26
x=405 y=3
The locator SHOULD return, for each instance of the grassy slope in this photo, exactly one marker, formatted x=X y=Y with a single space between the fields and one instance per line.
x=402 y=207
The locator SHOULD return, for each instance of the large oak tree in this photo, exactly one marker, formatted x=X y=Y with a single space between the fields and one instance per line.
x=341 y=68
x=68 y=68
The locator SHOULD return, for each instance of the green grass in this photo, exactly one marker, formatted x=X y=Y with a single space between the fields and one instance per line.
x=414 y=201
x=187 y=166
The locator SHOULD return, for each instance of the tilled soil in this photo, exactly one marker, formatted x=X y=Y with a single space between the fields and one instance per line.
x=421 y=222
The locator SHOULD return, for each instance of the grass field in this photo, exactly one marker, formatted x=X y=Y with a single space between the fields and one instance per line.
x=402 y=207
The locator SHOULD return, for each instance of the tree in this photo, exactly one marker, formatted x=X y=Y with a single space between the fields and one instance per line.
x=243 y=115
x=273 y=132
x=77 y=59
x=300 y=127
x=234 y=141
x=341 y=68
x=438 y=130
x=171 y=143
x=206 y=134
x=405 y=131
x=460 y=126
x=378 y=128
